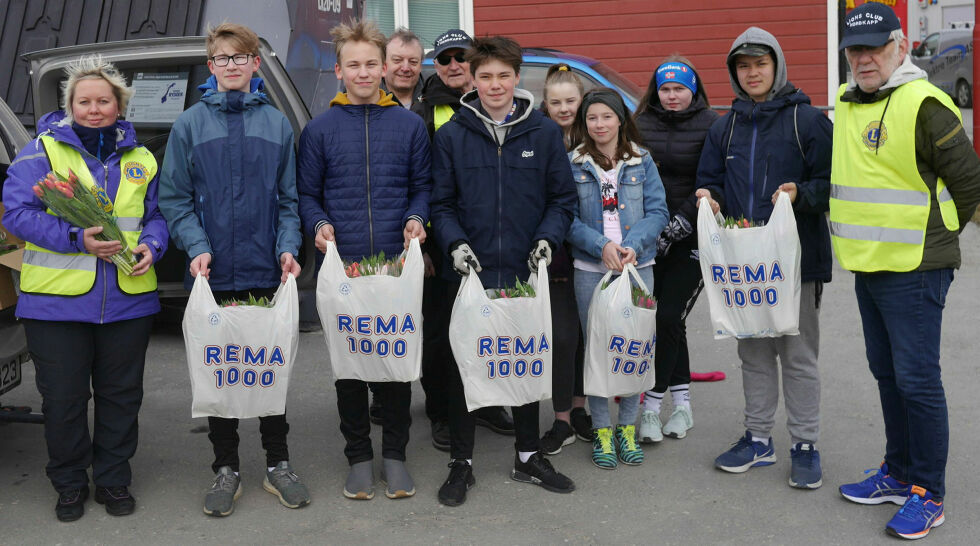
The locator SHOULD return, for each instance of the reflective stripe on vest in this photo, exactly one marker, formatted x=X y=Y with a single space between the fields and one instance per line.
x=441 y=114
x=879 y=203
x=73 y=274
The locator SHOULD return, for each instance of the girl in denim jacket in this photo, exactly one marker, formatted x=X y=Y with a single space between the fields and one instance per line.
x=622 y=210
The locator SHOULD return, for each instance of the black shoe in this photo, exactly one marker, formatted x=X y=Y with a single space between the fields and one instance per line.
x=560 y=435
x=440 y=435
x=374 y=412
x=496 y=419
x=117 y=500
x=71 y=504
x=460 y=480
x=538 y=470
x=582 y=423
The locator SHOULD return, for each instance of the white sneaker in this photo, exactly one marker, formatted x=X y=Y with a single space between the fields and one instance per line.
x=679 y=423
x=650 y=428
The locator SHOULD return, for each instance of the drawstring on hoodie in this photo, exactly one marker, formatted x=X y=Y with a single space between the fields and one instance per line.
x=881 y=123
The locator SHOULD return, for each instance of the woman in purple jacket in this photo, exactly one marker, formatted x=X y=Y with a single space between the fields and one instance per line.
x=86 y=322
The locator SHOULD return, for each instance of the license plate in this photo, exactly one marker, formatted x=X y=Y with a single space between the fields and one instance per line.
x=9 y=374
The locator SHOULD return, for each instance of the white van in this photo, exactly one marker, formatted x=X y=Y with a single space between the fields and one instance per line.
x=947 y=56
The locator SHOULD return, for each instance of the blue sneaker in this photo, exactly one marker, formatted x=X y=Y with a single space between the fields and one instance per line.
x=917 y=517
x=745 y=454
x=805 y=472
x=877 y=489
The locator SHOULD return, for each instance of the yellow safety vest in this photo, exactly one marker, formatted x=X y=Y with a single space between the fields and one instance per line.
x=73 y=274
x=441 y=114
x=879 y=204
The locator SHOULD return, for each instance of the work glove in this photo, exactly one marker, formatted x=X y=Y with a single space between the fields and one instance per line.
x=677 y=228
x=541 y=250
x=463 y=257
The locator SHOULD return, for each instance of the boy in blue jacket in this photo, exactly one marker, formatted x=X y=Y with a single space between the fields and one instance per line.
x=502 y=197
x=364 y=184
x=228 y=192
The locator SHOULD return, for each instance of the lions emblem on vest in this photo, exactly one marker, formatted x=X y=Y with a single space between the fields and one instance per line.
x=875 y=135
x=135 y=172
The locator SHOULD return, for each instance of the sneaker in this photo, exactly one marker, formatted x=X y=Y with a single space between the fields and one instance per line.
x=582 y=424
x=805 y=472
x=629 y=451
x=496 y=419
x=560 y=435
x=460 y=480
x=284 y=483
x=745 y=454
x=440 y=435
x=679 y=423
x=539 y=471
x=917 y=516
x=877 y=489
x=650 y=427
x=398 y=482
x=71 y=504
x=117 y=500
x=227 y=487
x=603 y=452
x=374 y=410
x=360 y=481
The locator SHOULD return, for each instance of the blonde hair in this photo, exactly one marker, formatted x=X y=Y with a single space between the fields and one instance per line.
x=93 y=67
x=239 y=37
x=358 y=31
x=562 y=73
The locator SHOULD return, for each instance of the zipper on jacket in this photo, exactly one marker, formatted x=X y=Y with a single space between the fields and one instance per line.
x=367 y=153
x=765 y=176
x=755 y=132
x=500 y=212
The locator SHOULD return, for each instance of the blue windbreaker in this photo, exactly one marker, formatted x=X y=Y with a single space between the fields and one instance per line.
x=228 y=187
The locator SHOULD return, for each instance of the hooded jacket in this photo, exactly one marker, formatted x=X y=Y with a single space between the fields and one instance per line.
x=229 y=187
x=26 y=218
x=435 y=93
x=500 y=198
x=754 y=148
x=675 y=140
x=942 y=150
x=364 y=169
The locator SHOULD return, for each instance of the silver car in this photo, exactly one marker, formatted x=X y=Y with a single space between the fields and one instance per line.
x=947 y=56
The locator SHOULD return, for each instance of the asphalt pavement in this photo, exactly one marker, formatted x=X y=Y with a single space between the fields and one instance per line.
x=675 y=497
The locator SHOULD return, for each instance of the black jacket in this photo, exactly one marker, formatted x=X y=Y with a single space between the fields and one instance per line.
x=435 y=93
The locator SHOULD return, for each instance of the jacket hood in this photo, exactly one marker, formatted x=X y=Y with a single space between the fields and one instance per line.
x=755 y=35
x=255 y=85
x=58 y=125
x=384 y=99
x=254 y=97
x=436 y=92
x=905 y=73
x=787 y=96
x=472 y=101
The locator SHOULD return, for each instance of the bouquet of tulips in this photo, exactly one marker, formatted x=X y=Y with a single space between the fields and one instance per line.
x=739 y=223
x=519 y=290
x=375 y=265
x=85 y=208
x=251 y=301
x=641 y=298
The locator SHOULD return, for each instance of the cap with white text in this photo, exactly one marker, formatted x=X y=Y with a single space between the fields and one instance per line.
x=869 y=24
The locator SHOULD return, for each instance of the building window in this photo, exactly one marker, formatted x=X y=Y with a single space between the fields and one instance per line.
x=426 y=18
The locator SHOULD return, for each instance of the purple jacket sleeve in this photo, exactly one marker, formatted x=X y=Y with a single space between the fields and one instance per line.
x=154 y=232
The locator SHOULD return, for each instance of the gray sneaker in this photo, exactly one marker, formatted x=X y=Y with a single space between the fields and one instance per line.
x=360 y=481
x=285 y=484
x=227 y=487
x=398 y=481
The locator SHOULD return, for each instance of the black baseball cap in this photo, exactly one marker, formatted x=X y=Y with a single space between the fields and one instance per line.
x=869 y=24
x=451 y=39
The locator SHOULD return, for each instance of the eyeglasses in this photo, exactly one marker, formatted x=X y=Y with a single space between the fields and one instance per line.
x=222 y=60
x=444 y=60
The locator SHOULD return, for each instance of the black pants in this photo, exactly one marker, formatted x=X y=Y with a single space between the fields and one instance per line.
x=435 y=348
x=462 y=424
x=273 y=428
x=567 y=379
x=352 y=405
x=70 y=356
x=676 y=285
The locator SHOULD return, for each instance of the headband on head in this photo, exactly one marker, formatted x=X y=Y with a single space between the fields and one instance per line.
x=676 y=72
x=604 y=96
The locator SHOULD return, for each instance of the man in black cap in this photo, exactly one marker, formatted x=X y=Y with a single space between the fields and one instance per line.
x=442 y=91
x=904 y=182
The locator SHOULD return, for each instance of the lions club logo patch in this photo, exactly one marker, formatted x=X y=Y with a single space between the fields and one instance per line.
x=135 y=172
x=875 y=135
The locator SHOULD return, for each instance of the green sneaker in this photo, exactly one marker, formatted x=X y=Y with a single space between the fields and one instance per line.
x=629 y=451
x=679 y=423
x=603 y=452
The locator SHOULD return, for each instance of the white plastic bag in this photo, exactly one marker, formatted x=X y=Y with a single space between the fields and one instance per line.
x=240 y=358
x=373 y=324
x=502 y=346
x=619 y=348
x=752 y=275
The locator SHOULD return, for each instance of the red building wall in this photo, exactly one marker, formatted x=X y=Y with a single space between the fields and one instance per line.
x=633 y=36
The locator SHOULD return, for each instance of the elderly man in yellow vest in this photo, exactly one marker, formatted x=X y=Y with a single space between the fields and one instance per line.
x=904 y=182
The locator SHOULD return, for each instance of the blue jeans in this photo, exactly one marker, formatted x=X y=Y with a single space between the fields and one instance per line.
x=629 y=406
x=902 y=317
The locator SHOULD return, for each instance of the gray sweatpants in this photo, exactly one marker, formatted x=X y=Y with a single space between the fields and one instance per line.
x=801 y=378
